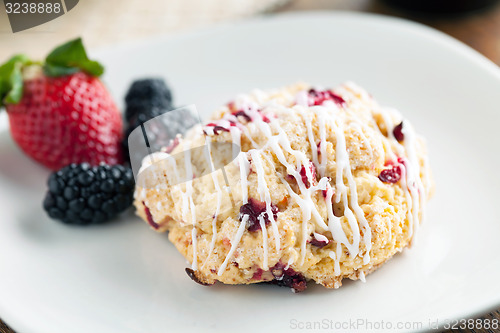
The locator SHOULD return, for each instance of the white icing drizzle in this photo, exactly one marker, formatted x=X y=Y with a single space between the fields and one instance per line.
x=413 y=174
x=262 y=223
x=291 y=260
x=320 y=166
x=344 y=166
x=305 y=207
x=192 y=209
x=314 y=147
x=362 y=276
x=244 y=171
x=234 y=244
x=411 y=183
x=408 y=196
x=336 y=258
x=328 y=119
x=280 y=142
x=302 y=160
x=322 y=145
x=277 y=143
x=320 y=237
x=265 y=196
x=219 y=199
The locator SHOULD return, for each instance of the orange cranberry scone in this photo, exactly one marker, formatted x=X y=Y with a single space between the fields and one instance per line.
x=326 y=185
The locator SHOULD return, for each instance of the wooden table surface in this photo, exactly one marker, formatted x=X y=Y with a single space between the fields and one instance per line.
x=480 y=30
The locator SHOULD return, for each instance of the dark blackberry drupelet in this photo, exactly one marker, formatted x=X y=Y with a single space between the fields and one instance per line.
x=83 y=194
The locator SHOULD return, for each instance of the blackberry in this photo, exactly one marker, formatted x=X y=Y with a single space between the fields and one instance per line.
x=148 y=99
x=147 y=96
x=83 y=194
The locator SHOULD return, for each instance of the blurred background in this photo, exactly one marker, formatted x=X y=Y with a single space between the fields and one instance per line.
x=106 y=22
x=475 y=22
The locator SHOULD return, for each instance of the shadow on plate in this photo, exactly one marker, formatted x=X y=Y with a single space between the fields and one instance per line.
x=266 y=288
x=35 y=224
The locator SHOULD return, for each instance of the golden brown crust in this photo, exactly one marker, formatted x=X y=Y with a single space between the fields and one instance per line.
x=385 y=206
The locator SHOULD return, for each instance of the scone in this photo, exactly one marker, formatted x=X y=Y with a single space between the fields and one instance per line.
x=316 y=185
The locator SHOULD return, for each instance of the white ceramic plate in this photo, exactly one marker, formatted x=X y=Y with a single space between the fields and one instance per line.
x=123 y=277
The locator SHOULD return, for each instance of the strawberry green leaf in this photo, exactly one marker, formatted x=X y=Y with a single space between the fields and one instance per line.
x=11 y=79
x=69 y=58
x=52 y=70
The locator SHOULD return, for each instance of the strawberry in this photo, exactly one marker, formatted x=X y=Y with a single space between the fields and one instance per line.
x=59 y=111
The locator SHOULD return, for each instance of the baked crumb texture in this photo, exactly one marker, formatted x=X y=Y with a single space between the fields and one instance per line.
x=328 y=185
